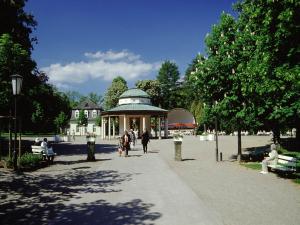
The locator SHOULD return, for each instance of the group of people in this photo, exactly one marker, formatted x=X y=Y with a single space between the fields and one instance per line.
x=48 y=149
x=128 y=139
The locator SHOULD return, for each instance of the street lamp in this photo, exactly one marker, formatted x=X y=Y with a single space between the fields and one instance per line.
x=16 y=81
x=216 y=133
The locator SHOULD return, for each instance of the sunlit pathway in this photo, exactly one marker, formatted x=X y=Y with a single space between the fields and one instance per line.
x=151 y=185
x=140 y=189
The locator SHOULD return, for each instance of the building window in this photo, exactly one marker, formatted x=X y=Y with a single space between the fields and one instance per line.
x=94 y=113
x=77 y=129
x=76 y=113
x=94 y=129
x=86 y=113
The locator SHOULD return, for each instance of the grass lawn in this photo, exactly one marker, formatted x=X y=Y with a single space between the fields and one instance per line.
x=257 y=166
x=252 y=165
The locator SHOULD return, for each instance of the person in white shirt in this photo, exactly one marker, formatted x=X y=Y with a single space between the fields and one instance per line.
x=48 y=151
x=272 y=159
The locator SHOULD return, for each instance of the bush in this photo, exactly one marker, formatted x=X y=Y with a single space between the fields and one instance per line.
x=30 y=160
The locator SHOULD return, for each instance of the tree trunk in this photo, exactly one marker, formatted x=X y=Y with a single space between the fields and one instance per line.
x=239 y=156
x=10 y=138
x=276 y=134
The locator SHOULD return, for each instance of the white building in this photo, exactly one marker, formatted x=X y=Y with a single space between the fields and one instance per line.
x=91 y=111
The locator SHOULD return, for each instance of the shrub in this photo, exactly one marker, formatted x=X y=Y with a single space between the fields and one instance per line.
x=30 y=160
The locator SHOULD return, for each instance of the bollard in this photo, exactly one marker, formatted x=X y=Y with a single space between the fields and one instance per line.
x=221 y=156
x=178 y=150
x=91 y=151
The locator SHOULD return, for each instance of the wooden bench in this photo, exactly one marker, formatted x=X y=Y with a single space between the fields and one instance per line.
x=47 y=154
x=286 y=164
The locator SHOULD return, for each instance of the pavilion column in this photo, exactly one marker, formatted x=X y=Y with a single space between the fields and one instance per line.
x=114 y=127
x=102 y=127
x=155 y=127
x=109 y=125
x=144 y=123
x=125 y=123
x=166 y=127
x=159 y=128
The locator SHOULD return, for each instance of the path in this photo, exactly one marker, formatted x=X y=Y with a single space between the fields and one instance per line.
x=149 y=189
x=140 y=189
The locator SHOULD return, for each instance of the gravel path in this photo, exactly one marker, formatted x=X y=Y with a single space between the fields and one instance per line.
x=149 y=189
x=239 y=195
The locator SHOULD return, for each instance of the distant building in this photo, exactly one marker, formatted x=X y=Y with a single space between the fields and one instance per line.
x=134 y=111
x=91 y=111
x=180 y=119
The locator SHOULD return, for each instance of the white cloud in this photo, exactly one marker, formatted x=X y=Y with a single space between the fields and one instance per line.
x=100 y=65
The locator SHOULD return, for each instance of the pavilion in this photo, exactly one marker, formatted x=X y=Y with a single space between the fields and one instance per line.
x=134 y=111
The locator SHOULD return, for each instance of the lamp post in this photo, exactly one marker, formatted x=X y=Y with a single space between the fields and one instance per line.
x=16 y=81
x=216 y=133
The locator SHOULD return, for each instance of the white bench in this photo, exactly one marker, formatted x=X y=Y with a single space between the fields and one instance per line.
x=47 y=153
x=285 y=164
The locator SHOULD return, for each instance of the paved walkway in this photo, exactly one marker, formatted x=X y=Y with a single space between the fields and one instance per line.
x=148 y=189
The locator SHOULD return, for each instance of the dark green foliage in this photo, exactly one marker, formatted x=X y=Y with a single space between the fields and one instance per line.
x=252 y=69
x=168 y=77
x=118 y=87
x=82 y=120
x=18 y=23
x=61 y=121
x=29 y=160
x=152 y=88
x=39 y=102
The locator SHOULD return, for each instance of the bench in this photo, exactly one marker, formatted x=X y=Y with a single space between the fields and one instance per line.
x=47 y=154
x=286 y=164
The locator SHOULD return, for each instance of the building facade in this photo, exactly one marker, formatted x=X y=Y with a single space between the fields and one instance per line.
x=91 y=111
x=134 y=111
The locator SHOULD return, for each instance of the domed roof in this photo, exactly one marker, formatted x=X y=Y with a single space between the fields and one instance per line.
x=134 y=92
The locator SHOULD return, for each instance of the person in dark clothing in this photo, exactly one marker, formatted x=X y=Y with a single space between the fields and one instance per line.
x=126 y=142
x=145 y=139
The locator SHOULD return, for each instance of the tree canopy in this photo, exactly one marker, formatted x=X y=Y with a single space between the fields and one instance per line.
x=118 y=87
x=168 y=77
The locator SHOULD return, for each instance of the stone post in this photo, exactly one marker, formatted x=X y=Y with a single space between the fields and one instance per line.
x=178 y=150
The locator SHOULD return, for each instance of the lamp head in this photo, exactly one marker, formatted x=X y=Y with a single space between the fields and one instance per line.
x=16 y=81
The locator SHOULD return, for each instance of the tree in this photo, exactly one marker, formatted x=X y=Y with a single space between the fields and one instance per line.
x=82 y=119
x=13 y=59
x=39 y=102
x=219 y=79
x=191 y=91
x=95 y=98
x=271 y=75
x=18 y=23
x=61 y=121
x=152 y=88
x=38 y=114
x=118 y=87
x=168 y=77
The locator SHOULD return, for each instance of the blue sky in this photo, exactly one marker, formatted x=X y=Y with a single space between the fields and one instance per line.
x=83 y=45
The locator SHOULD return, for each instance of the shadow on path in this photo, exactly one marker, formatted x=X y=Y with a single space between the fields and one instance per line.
x=79 y=149
x=43 y=199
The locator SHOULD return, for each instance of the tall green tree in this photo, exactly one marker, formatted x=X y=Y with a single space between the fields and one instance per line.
x=14 y=20
x=95 y=98
x=271 y=75
x=168 y=77
x=118 y=86
x=152 y=88
x=61 y=121
x=219 y=79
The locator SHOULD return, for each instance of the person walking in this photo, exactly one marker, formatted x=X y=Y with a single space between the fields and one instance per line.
x=126 y=142
x=73 y=135
x=132 y=137
x=145 y=139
